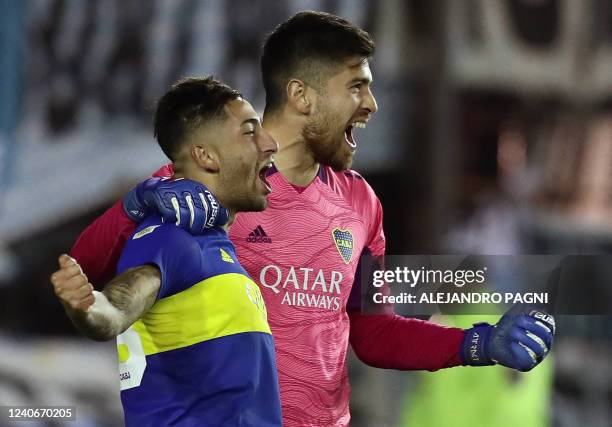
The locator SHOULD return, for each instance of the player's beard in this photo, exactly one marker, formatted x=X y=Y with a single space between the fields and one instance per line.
x=324 y=136
x=240 y=190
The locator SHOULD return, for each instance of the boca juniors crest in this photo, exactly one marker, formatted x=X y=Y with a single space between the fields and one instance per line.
x=344 y=243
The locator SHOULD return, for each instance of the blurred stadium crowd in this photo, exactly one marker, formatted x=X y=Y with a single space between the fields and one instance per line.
x=494 y=136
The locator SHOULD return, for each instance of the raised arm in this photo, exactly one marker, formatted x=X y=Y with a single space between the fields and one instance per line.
x=520 y=340
x=102 y=316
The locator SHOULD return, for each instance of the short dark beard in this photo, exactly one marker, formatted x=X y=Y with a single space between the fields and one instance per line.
x=326 y=147
x=234 y=195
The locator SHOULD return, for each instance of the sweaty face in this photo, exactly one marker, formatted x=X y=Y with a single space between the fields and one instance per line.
x=245 y=155
x=344 y=103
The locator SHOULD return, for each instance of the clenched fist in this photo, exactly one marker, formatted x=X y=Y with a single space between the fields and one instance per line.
x=71 y=285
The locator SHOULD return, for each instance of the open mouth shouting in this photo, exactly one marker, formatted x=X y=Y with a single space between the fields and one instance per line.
x=348 y=133
x=263 y=172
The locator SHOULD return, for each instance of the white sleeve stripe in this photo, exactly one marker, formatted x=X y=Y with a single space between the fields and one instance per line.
x=205 y=204
x=175 y=205
x=191 y=209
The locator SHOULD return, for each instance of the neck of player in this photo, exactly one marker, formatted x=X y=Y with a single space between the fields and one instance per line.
x=294 y=160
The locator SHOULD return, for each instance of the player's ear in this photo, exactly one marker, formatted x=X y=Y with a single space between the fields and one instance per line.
x=205 y=158
x=298 y=96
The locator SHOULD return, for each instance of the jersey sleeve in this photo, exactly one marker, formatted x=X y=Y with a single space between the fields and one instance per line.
x=376 y=237
x=371 y=258
x=394 y=342
x=99 y=246
x=166 y=171
x=173 y=251
x=383 y=339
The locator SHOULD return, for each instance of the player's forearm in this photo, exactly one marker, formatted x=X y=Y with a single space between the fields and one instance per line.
x=101 y=322
x=124 y=300
x=395 y=342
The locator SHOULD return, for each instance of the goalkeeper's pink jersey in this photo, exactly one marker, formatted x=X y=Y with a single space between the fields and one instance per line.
x=303 y=251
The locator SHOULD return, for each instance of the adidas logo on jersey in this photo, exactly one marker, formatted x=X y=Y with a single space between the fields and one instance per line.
x=225 y=256
x=258 y=235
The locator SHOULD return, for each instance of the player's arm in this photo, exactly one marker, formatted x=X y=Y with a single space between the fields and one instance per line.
x=99 y=246
x=187 y=203
x=387 y=340
x=102 y=316
x=520 y=340
x=383 y=339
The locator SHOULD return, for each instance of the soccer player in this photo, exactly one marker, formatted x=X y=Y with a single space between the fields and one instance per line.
x=304 y=250
x=194 y=345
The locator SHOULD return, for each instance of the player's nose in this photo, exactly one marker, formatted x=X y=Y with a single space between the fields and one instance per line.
x=266 y=143
x=369 y=102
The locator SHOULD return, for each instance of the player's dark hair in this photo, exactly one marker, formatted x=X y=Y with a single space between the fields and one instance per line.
x=305 y=46
x=188 y=104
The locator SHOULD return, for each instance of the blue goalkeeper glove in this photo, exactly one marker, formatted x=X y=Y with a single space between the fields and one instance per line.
x=187 y=203
x=520 y=340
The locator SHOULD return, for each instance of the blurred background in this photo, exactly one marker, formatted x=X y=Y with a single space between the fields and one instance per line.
x=494 y=136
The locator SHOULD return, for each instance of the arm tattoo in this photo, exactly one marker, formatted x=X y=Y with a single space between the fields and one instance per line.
x=123 y=301
x=134 y=291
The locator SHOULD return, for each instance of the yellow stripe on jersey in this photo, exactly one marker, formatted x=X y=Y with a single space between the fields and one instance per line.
x=222 y=305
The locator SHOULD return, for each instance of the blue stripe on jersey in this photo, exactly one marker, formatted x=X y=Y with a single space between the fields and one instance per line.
x=221 y=382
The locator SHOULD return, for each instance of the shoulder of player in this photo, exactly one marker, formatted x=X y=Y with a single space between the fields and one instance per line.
x=169 y=235
x=164 y=245
x=350 y=182
x=180 y=248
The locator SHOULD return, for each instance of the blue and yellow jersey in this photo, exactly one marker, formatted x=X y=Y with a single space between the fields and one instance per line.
x=203 y=355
